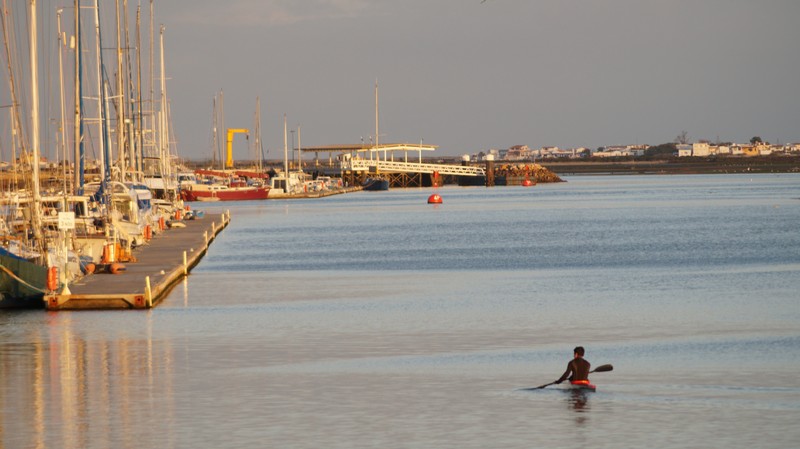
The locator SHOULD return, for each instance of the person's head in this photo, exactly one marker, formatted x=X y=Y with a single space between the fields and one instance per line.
x=579 y=351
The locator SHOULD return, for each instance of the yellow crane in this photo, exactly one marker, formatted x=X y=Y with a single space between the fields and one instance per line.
x=231 y=132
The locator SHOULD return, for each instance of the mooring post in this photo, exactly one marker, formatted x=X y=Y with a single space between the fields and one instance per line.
x=147 y=292
x=185 y=265
x=490 y=170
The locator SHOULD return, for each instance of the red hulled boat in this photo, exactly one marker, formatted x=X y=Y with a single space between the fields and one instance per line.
x=221 y=192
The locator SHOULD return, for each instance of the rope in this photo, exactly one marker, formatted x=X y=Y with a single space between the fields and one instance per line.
x=20 y=280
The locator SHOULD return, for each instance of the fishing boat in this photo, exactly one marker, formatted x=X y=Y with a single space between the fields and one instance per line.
x=297 y=183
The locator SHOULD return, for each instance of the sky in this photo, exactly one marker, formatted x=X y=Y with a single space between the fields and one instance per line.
x=471 y=75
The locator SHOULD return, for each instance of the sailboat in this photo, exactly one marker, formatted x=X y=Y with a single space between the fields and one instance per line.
x=288 y=183
x=38 y=245
x=23 y=269
x=376 y=182
x=237 y=185
x=223 y=192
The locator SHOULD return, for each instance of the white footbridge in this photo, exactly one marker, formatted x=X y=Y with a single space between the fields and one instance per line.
x=378 y=166
x=381 y=159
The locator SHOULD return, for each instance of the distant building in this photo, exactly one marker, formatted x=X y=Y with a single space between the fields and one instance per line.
x=548 y=152
x=481 y=156
x=621 y=151
x=749 y=150
x=684 y=149
x=701 y=149
x=580 y=152
x=517 y=153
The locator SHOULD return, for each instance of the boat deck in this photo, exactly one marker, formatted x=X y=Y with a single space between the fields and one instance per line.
x=160 y=264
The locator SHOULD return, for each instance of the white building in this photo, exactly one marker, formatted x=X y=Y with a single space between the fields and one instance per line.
x=701 y=149
x=684 y=149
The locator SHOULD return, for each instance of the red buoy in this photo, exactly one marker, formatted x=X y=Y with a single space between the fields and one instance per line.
x=435 y=199
x=527 y=183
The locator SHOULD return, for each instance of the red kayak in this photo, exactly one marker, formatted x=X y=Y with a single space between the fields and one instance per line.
x=581 y=385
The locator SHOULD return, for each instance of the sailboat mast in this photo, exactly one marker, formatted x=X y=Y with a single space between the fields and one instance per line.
x=37 y=198
x=164 y=120
x=221 y=115
x=63 y=126
x=101 y=106
x=128 y=102
x=139 y=124
x=79 y=148
x=299 y=153
x=214 y=137
x=285 y=152
x=16 y=119
x=120 y=98
x=258 y=135
x=153 y=142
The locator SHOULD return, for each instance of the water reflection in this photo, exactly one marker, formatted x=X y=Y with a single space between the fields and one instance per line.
x=186 y=291
x=70 y=390
x=578 y=402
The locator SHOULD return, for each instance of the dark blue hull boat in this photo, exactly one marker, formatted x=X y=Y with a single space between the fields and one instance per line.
x=375 y=184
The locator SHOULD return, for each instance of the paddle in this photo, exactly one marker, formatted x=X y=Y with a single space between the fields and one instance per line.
x=602 y=369
x=599 y=369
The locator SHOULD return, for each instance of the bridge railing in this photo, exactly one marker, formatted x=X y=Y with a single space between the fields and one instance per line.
x=410 y=167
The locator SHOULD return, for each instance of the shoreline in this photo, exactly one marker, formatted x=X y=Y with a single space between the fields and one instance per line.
x=684 y=166
x=677 y=166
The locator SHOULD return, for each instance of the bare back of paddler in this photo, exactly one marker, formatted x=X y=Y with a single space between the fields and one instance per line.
x=577 y=368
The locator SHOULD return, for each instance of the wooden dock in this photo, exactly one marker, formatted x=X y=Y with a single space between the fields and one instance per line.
x=160 y=264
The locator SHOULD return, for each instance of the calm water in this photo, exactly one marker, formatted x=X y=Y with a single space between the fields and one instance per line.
x=376 y=320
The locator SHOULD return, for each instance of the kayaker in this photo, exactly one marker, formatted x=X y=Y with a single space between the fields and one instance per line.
x=577 y=368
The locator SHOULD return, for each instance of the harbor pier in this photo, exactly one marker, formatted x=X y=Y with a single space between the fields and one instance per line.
x=392 y=161
x=162 y=263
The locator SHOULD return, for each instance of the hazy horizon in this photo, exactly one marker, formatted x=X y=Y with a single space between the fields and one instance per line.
x=470 y=76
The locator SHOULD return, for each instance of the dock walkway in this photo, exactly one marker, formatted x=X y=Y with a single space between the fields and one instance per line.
x=160 y=264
